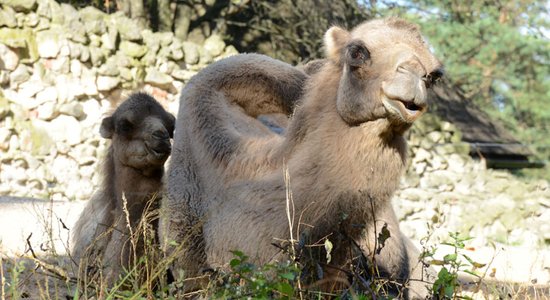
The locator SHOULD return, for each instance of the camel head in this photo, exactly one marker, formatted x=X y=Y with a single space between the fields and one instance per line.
x=386 y=70
x=140 y=130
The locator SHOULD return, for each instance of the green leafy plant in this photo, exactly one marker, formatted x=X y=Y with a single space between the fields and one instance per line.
x=447 y=285
x=270 y=281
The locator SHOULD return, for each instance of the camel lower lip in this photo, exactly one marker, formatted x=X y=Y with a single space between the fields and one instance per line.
x=398 y=107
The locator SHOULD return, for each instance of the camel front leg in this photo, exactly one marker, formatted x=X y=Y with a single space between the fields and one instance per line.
x=395 y=256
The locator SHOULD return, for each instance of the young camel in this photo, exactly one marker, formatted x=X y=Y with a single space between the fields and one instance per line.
x=343 y=149
x=140 y=130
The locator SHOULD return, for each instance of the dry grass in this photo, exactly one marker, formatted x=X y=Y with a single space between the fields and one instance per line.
x=50 y=275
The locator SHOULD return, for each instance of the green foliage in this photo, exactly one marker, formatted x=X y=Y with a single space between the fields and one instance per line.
x=15 y=273
x=497 y=53
x=447 y=285
x=270 y=281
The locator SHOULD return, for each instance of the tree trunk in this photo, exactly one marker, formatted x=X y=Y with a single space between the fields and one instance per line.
x=138 y=13
x=124 y=6
x=182 y=21
x=165 y=15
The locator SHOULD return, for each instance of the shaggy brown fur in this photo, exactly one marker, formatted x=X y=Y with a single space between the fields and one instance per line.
x=343 y=148
x=140 y=130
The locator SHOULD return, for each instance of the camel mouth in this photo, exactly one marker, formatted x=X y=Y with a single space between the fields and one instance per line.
x=159 y=152
x=406 y=111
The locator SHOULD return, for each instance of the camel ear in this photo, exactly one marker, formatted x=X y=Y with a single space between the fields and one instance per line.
x=335 y=40
x=107 y=128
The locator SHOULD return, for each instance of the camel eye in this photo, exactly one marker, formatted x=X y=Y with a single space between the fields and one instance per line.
x=124 y=126
x=432 y=78
x=357 y=54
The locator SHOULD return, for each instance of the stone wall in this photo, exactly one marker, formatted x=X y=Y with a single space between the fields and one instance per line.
x=61 y=70
x=446 y=190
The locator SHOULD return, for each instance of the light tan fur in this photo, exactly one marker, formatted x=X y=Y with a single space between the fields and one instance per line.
x=140 y=130
x=343 y=147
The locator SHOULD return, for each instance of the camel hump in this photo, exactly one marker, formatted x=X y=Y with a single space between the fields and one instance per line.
x=257 y=83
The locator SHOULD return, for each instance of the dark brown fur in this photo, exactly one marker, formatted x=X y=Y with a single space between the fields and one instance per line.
x=140 y=130
x=344 y=151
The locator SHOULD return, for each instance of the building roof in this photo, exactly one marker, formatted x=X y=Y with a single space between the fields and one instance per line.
x=488 y=138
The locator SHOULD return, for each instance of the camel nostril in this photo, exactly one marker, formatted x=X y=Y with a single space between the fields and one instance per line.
x=411 y=106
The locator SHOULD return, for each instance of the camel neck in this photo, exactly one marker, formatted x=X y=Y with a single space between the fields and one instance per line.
x=331 y=155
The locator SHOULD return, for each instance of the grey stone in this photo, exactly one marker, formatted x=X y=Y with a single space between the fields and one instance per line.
x=85 y=54
x=94 y=20
x=68 y=87
x=60 y=64
x=183 y=75
x=230 y=51
x=43 y=9
x=166 y=38
x=84 y=154
x=455 y=163
x=78 y=32
x=107 y=83
x=89 y=83
x=205 y=57
x=20 y=75
x=95 y=40
x=129 y=29
x=30 y=88
x=57 y=14
x=123 y=61
x=48 y=42
x=153 y=76
x=108 y=39
x=76 y=50
x=4 y=106
x=163 y=53
x=421 y=155
x=8 y=58
x=167 y=67
x=74 y=109
x=5 y=135
x=438 y=163
x=65 y=129
x=214 y=45
x=150 y=59
x=75 y=67
x=15 y=37
x=191 y=52
x=49 y=94
x=14 y=144
x=176 y=51
x=64 y=169
x=496 y=185
x=4 y=77
x=441 y=180
x=132 y=49
x=109 y=68
x=92 y=109
x=97 y=56
x=7 y=17
x=33 y=139
x=420 y=167
x=150 y=37
x=47 y=111
x=69 y=12
x=20 y=5
x=31 y=20
x=125 y=74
